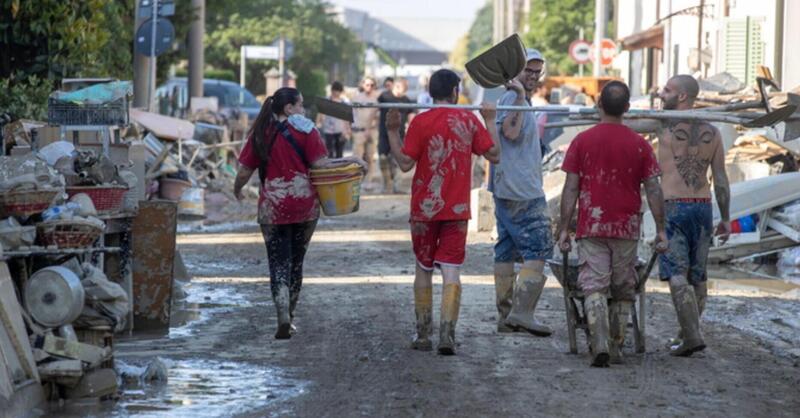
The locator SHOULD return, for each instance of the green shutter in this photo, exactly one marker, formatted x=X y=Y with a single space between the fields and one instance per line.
x=744 y=47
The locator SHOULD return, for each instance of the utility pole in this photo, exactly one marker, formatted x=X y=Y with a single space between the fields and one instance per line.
x=580 y=36
x=141 y=64
x=196 y=52
x=152 y=88
x=282 y=59
x=599 y=34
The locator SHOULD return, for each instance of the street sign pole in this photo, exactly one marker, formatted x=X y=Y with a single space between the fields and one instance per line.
x=152 y=89
x=580 y=66
x=241 y=65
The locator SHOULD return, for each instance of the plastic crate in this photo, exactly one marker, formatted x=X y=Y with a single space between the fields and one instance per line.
x=66 y=113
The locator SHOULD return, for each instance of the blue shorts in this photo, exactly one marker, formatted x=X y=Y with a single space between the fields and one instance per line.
x=689 y=230
x=523 y=229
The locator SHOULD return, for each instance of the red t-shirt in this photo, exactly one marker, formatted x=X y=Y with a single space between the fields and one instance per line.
x=287 y=195
x=442 y=141
x=612 y=162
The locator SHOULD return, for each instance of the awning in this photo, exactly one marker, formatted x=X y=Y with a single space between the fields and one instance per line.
x=648 y=38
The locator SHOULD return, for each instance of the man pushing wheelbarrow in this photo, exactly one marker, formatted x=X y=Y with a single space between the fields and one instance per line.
x=606 y=166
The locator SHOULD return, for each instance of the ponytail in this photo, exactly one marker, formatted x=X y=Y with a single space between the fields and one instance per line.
x=265 y=129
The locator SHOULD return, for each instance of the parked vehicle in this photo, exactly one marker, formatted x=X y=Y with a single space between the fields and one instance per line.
x=173 y=98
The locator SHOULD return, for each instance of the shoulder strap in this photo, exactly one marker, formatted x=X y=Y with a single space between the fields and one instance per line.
x=284 y=128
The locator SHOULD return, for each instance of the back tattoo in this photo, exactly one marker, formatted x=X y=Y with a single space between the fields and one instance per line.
x=687 y=140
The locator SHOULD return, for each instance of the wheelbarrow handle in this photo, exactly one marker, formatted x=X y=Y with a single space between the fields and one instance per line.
x=646 y=273
x=564 y=264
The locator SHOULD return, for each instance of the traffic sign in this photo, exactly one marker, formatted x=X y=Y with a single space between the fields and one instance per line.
x=608 y=50
x=165 y=8
x=261 y=52
x=165 y=35
x=580 y=51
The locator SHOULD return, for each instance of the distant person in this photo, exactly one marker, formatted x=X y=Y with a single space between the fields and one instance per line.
x=424 y=98
x=386 y=161
x=335 y=130
x=365 y=125
x=388 y=84
x=686 y=151
x=523 y=221
x=440 y=143
x=539 y=96
x=606 y=167
x=283 y=146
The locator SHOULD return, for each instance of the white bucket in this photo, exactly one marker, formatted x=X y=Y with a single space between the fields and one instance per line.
x=192 y=203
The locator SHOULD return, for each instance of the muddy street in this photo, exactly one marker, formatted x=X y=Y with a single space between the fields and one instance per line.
x=351 y=354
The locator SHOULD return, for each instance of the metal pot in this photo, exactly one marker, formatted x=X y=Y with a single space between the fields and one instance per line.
x=54 y=296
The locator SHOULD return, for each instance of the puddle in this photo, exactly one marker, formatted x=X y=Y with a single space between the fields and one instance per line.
x=200 y=227
x=198 y=389
x=207 y=388
x=203 y=300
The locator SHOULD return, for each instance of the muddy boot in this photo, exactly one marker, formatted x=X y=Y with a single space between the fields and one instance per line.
x=701 y=294
x=618 y=313
x=526 y=294
x=597 y=317
x=685 y=302
x=293 y=298
x=284 y=319
x=451 y=302
x=423 y=309
x=504 y=290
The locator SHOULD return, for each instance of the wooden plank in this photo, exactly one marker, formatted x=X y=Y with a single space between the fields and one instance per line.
x=12 y=322
x=164 y=127
x=153 y=238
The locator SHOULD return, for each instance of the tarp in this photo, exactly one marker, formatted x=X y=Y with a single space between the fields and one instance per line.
x=97 y=94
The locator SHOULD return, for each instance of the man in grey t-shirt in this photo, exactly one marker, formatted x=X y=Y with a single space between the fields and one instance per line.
x=523 y=223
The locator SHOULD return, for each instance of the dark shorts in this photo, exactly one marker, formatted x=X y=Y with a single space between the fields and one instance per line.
x=689 y=230
x=523 y=230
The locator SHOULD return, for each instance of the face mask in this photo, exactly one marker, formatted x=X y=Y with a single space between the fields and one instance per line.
x=301 y=123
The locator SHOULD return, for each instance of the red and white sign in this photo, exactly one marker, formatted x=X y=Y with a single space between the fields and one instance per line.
x=580 y=51
x=608 y=50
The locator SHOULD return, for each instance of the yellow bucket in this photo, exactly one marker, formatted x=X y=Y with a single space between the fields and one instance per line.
x=339 y=197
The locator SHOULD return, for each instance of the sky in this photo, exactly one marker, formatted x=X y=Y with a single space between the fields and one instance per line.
x=444 y=9
x=439 y=23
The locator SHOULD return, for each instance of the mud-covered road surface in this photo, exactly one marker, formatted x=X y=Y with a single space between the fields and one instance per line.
x=351 y=356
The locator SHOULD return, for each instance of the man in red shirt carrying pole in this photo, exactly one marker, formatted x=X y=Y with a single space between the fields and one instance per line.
x=442 y=142
x=605 y=167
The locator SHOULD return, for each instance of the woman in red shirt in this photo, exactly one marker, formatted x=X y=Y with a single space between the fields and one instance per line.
x=283 y=145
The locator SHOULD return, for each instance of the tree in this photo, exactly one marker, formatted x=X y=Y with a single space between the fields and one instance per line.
x=554 y=25
x=320 y=42
x=478 y=39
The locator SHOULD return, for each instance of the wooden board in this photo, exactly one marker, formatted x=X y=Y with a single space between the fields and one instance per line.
x=16 y=357
x=164 y=127
x=153 y=239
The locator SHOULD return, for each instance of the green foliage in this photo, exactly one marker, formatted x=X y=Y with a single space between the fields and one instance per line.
x=25 y=97
x=481 y=31
x=320 y=42
x=554 y=25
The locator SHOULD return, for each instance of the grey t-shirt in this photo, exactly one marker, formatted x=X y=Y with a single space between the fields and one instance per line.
x=518 y=176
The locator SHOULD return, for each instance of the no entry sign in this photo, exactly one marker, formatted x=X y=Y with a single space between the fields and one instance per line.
x=580 y=51
x=608 y=50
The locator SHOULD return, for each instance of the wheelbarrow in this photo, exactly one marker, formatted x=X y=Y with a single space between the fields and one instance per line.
x=574 y=297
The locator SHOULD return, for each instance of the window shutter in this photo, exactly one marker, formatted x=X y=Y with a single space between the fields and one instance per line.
x=744 y=47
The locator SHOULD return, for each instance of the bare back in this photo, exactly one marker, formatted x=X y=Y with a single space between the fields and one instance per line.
x=686 y=150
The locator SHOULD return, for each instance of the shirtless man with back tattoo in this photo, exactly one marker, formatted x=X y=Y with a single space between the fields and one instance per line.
x=686 y=150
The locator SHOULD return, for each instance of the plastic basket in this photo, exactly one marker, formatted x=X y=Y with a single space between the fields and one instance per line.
x=26 y=203
x=72 y=233
x=115 y=112
x=105 y=198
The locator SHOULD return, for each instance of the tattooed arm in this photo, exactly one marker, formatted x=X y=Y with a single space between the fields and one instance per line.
x=722 y=190
x=655 y=199
x=569 y=197
x=512 y=124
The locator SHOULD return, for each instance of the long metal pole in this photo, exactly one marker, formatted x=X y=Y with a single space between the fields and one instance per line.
x=580 y=66
x=599 y=34
x=141 y=69
x=152 y=88
x=196 y=53
x=242 y=57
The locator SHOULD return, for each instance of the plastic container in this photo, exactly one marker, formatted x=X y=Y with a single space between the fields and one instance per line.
x=339 y=197
x=172 y=189
x=105 y=198
x=192 y=203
